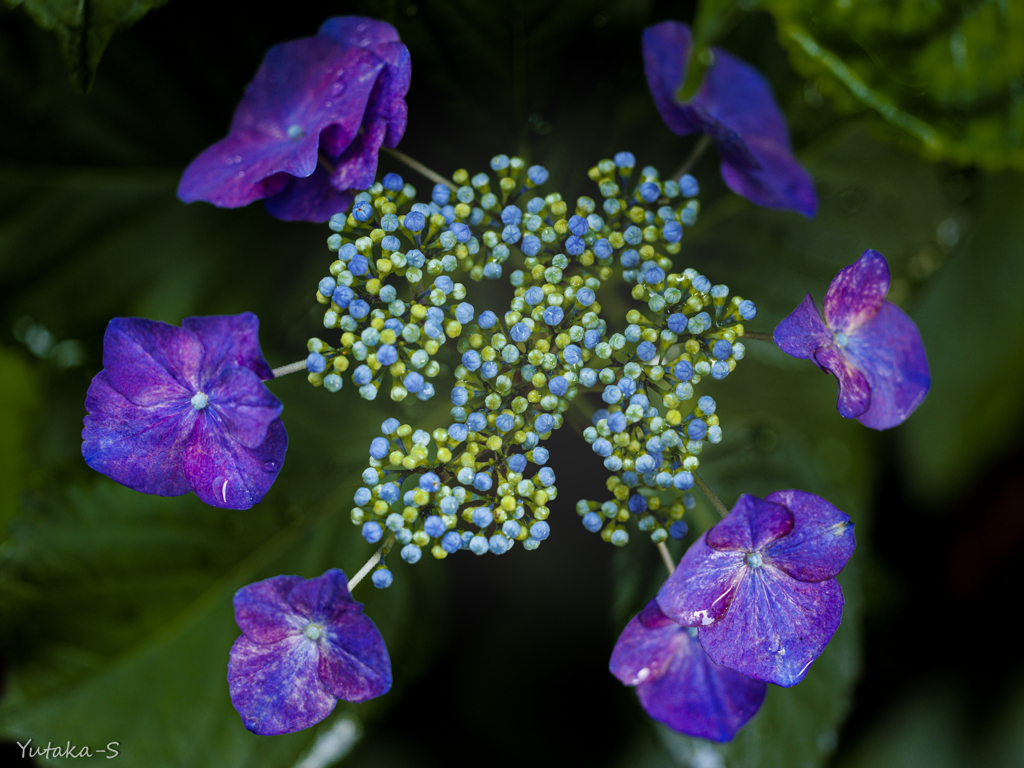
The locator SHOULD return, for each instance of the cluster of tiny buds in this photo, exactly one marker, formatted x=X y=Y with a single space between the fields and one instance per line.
x=516 y=373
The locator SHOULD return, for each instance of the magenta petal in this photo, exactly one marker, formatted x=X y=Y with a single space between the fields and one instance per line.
x=263 y=613
x=854 y=388
x=276 y=687
x=243 y=405
x=821 y=542
x=149 y=362
x=138 y=446
x=389 y=100
x=359 y=31
x=751 y=525
x=302 y=87
x=856 y=294
x=309 y=199
x=803 y=332
x=354 y=662
x=357 y=166
x=699 y=698
x=322 y=599
x=229 y=340
x=889 y=350
x=703 y=585
x=780 y=182
x=775 y=627
x=224 y=473
x=642 y=651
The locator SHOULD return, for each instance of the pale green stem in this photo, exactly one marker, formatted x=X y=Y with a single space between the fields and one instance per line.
x=420 y=168
x=284 y=370
x=374 y=559
x=715 y=501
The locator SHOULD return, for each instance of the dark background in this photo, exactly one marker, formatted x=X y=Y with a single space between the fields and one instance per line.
x=116 y=616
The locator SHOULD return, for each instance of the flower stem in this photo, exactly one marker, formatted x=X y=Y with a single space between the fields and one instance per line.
x=715 y=501
x=698 y=151
x=374 y=559
x=284 y=370
x=420 y=168
x=758 y=336
x=666 y=557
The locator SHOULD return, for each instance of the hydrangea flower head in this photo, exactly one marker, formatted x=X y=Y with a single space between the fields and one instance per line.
x=869 y=344
x=760 y=585
x=734 y=106
x=310 y=124
x=676 y=681
x=304 y=645
x=185 y=409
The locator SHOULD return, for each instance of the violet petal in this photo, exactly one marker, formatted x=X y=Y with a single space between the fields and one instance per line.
x=263 y=613
x=243 y=405
x=821 y=542
x=751 y=525
x=149 y=362
x=643 y=652
x=703 y=585
x=357 y=166
x=302 y=87
x=276 y=687
x=229 y=340
x=803 y=331
x=224 y=473
x=856 y=294
x=137 y=446
x=310 y=199
x=780 y=182
x=775 y=627
x=359 y=31
x=854 y=388
x=889 y=351
x=699 y=698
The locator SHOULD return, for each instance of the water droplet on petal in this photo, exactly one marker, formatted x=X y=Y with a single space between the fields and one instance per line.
x=269 y=466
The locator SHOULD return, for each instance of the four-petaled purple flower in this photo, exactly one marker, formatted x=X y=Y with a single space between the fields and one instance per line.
x=304 y=645
x=677 y=683
x=310 y=124
x=735 y=107
x=869 y=345
x=760 y=585
x=185 y=409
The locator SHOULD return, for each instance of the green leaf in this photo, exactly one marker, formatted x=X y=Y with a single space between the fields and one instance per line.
x=18 y=401
x=945 y=77
x=84 y=27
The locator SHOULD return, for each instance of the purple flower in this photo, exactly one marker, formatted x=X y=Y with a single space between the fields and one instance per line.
x=735 y=107
x=185 y=409
x=310 y=124
x=304 y=645
x=869 y=345
x=677 y=683
x=760 y=586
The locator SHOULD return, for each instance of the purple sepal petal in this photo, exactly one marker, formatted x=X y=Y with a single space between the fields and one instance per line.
x=702 y=586
x=643 y=651
x=358 y=31
x=310 y=199
x=751 y=525
x=224 y=473
x=734 y=106
x=803 y=331
x=821 y=542
x=856 y=294
x=243 y=406
x=229 y=340
x=149 y=362
x=357 y=166
x=775 y=627
x=699 y=698
x=137 y=446
x=276 y=687
x=854 y=388
x=262 y=610
x=302 y=87
x=889 y=351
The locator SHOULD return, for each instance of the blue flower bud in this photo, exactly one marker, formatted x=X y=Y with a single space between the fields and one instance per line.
x=511 y=214
x=479 y=545
x=389 y=222
x=492 y=270
x=505 y=423
x=591 y=338
x=415 y=221
x=489 y=370
x=392 y=182
x=471 y=360
x=678 y=529
x=585 y=297
x=464 y=313
x=362 y=375
x=572 y=355
x=707 y=405
x=537 y=174
x=389 y=243
x=625 y=160
x=546 y=475
x=672 y=232
x=645 y=463
x=553 y=315
x=722 y=349
x=578 y=225
x=511 y=528
x=649 y=192
x=617 y=421
x=533 y=296
x=498 y=544
x=379 y=448
x=511 y=234
x=362 y=211
x=592 y=522
x=602 y=447
x=316 y=363
x=342 y=296
x=487 y=319
x=358 y=309
x=558 y=385
x=626 y=386
x=531 y=245
x=630 y=258
x=575 y=245
x=411 y=553
x=540 y=530
x=482 y=517
x=389 y=492
x=451 y=542
x=747 y=310
x=434 y=526
x=646 y=351
x=476 y=422
x=517 y=463
x=588 y=377
x=361 y=496
x=719 y=370
x=372 y=532
x=520 y=332
x=696 y=429
x=715 y=434
x=544 y=424
x=612 y=394
x=445 y=284
x=326 y=287
x=482 y=481
x=683 y=370
x=637 y=503
x=620 y=538
x=413 y=382
x=458 y=432
x=415 y=258
x=688 y=186
x=430 y=482
x=382 y=578
x=699 y=323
